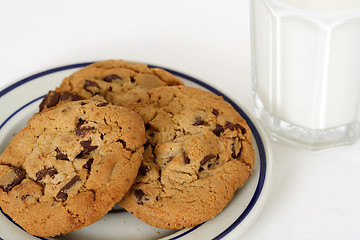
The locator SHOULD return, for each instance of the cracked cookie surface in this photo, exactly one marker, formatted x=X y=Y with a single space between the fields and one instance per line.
x=70 y=165
x=198 y=153
x=118 y=82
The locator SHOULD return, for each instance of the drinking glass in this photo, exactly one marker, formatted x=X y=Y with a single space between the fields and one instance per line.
x=306 y=70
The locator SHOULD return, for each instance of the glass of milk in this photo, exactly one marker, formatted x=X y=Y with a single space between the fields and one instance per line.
x=306 y=70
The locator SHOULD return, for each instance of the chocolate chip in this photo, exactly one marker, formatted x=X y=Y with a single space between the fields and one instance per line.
x=88 y=164
x=198 y=121
x=89 y=84
x=81 y=131
x=112 y=77
x=206 y=159
x=62 y=194
x=87 y=148
x=83 y=103
x=218 y=130
x=42 y=105
x=60 y=155
x=231 y=126
x=50 y=100
x=78 y=130
x=69 y=95
x=186 y=158
x=103 y=104
x=48 y=171
x=215 y=112
x=87 y=128
x=19 y=176
x=132 y=79
x=80 y=122
x=75 y=97
x=139 y=194
x=65 y=96
x=143 y=170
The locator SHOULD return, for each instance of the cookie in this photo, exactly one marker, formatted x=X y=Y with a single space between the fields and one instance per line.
x=70 y=165
x=198 y=152
x=117 y=81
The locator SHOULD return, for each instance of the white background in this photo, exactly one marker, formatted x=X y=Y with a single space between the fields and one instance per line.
x=315 y=195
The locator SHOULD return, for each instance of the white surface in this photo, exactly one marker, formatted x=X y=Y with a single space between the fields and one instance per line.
x=315 y=195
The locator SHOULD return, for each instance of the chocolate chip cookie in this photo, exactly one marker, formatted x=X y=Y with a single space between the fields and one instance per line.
x=198 y=153
x=70 y=165
x=117 y=81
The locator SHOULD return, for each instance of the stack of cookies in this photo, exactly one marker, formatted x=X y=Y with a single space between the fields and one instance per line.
x=117 y=132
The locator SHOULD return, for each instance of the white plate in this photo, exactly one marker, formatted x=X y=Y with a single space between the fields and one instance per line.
x=20 y=100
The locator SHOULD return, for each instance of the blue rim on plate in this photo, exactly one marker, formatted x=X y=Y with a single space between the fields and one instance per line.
x=256 y=134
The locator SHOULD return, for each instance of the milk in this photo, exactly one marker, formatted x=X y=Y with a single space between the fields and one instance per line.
x=306 y=69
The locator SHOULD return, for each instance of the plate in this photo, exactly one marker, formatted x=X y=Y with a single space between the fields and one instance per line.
x=20 y=100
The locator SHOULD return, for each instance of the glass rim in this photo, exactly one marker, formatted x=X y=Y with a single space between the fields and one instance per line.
x=285 y=7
